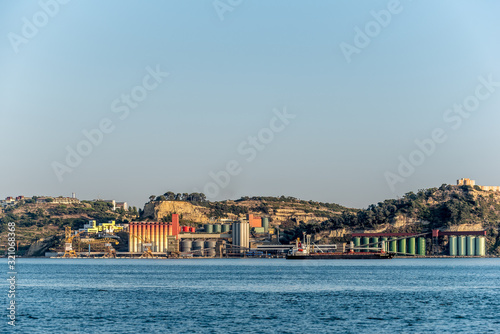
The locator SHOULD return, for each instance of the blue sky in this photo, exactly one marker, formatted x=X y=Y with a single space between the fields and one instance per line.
x=353 y=120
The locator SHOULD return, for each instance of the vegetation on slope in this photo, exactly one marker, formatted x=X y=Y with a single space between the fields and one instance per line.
x=35 y=221
x=257 y=204
x=442 y=207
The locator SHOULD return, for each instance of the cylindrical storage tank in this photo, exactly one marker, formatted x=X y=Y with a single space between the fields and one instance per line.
x=421 y=246
x=471 y=245
x=210 y=244
x=265 y=224
x=185 y=229
x=217 y=228
x=225 y=228
x=357 y=242
x=402 y=246
x=385 y=239
x=411 y=246
x=452 y=245
x=198 y=244
x=192 y=229
x=186 y=245
x=374 y=242
x=209 y=228
x=481 y=246
x=364 y=242
x=462 y=248
x=393 y=245
x=209 y=252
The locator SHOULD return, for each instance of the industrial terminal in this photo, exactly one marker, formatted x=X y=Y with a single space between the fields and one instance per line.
x=226 y=238
x=251 y=237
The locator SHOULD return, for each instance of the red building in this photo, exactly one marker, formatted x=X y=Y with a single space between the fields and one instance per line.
x=254 y=221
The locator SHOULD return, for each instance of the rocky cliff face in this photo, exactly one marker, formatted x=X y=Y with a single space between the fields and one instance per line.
x=41 y=246
x=158 y=210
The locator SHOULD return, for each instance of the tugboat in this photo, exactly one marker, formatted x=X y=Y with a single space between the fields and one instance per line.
x=307 y=251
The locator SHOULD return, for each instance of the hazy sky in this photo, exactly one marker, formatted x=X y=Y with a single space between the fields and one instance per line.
x=360 y=81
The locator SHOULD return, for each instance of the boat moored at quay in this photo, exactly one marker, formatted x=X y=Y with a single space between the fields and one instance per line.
x=309 y=251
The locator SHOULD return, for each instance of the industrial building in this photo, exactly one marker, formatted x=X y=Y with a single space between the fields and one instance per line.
x=110 y=227
x=254 y=221
x=215 y=239
x=156 y=235
x=241 y=235
x=206 y=248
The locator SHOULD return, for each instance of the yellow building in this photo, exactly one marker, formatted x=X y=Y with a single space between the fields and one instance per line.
x=109 y=227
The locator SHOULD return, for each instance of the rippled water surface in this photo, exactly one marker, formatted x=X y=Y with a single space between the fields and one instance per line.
x=256 y=296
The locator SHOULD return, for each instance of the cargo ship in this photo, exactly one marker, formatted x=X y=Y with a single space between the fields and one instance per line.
x=307 y=251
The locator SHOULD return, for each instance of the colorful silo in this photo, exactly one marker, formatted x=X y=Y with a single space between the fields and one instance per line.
x=411 y=246
x=393 y=245
x=374 y=243
x=217 y=228
x=481 y=246
x=265 y=224
x=462 y=248
x=402 y=246
x=421 y=245
x=452 y=245
x=225 y=228
x=471 y=245
x=357 y=242
x=209 y=228
x=364 y=243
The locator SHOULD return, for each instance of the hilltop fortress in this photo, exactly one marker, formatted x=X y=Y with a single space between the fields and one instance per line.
x=472 y=183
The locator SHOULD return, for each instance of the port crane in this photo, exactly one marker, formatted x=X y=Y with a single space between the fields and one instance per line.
x=146 y=244
x=69 y=252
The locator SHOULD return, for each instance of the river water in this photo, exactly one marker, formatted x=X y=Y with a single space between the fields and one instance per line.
x=255 y=296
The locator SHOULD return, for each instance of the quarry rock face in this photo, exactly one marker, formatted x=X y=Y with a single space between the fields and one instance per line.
x=39 y=247
x=161 y=209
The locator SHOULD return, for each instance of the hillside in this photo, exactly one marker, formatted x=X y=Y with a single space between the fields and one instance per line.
x=447 y=208
x=36 y=221
x=281 y=210
x=453 y=208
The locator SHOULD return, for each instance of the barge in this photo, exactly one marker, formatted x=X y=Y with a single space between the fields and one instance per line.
x=307 y=251
x=340 y=256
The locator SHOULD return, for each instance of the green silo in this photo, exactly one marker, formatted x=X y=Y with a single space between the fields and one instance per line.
x=265 y=224
x=384 y=239
x=421 y=246
x=357 y=242
x=217 y=228
x=402 y=246
x=393 y=245
x=209 y=228
x=452 y=244
x=411 y=246
x=471 y=245
x=374 y=242
x=461 y=246
x=364 y=242
x=481 y=246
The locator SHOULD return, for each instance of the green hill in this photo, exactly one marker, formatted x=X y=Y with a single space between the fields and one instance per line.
x=447 y=207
